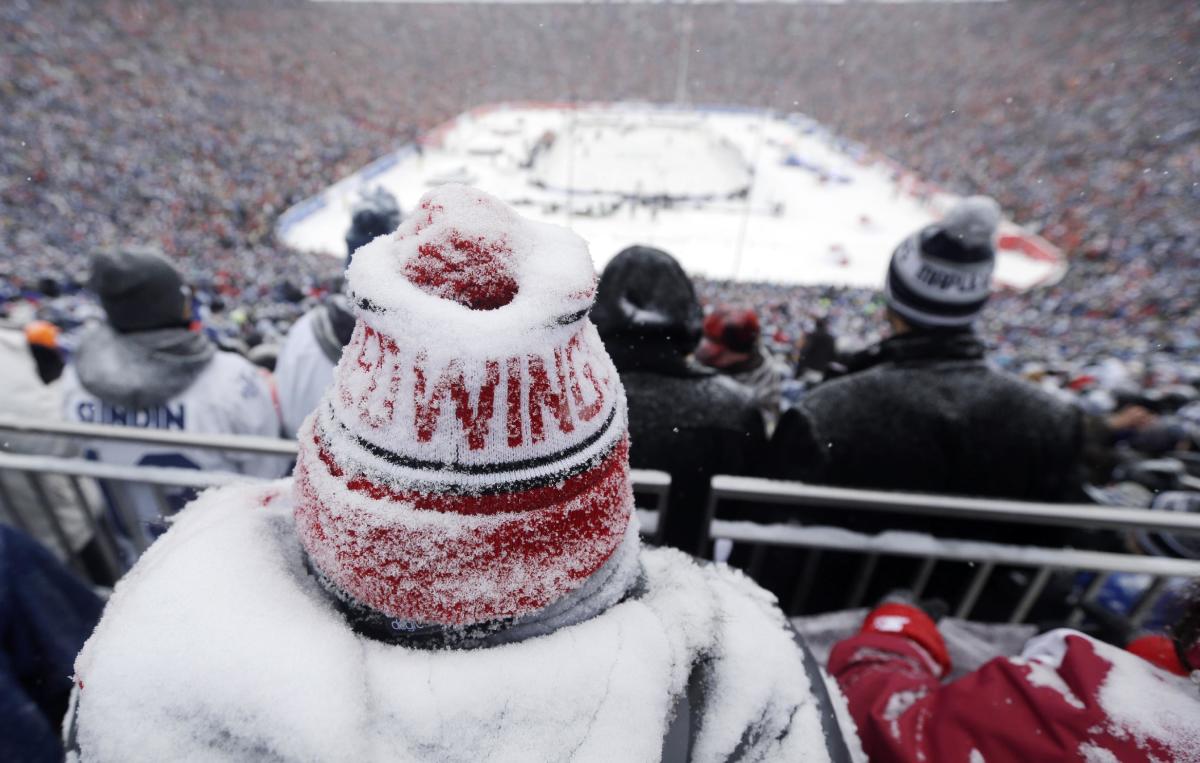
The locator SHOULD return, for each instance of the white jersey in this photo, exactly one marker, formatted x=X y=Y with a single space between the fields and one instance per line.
x=303 y=372
x=230 y=396
x=25 y=396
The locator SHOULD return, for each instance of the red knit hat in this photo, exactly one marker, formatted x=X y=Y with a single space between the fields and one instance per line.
x=730 y=336
x=470 y=461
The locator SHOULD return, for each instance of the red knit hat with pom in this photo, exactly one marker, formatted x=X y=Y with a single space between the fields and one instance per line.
x=470 y=461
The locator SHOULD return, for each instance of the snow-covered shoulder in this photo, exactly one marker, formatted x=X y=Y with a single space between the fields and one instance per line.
x=1142 y=703
x=220 y=646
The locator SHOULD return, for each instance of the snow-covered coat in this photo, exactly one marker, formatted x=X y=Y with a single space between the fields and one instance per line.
x=684 y=419
x=1066 y=698
x=220 y=646
x=691 y=423
x=931 y=416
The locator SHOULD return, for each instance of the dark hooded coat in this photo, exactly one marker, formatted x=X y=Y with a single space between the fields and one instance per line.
x=928 y=415
x=683 y=419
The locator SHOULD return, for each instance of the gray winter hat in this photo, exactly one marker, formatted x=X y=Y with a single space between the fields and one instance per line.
x=941 y=276
x=139 y=289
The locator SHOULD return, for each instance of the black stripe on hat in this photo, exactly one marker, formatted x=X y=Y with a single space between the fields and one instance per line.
x=499 y=467
x=902 y=293
x=561 y=320
x=944 y=245
x=552 y=477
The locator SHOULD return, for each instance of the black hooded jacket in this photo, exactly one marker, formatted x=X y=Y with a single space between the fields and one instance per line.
x=928 y=415
x=683 y=419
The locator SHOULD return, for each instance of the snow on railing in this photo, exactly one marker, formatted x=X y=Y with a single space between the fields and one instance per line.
x=32 y=471
x=983 y=556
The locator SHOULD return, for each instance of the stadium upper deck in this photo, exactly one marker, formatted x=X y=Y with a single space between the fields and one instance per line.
x=194 y=126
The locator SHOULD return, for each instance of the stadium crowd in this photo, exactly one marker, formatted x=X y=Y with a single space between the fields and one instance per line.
x=189 y=128
x=522 y=548
x=193 y=128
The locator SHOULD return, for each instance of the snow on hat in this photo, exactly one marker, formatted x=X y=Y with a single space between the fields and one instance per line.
x=730 y=336
x=941 y=276
x=139 y=289
x=470 y=461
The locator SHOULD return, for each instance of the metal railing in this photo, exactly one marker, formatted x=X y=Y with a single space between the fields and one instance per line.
x=34 y=470
x=986 y=557
x=224 y=442
x=800 y=498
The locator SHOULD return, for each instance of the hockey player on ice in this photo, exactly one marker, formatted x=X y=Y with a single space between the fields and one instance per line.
x=314 y=343
x=146 y=368
x=455 y=573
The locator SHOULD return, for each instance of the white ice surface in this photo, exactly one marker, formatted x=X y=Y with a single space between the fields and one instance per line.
x=835 y=217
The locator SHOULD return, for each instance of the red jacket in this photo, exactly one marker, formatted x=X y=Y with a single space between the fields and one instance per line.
x=1067 y=698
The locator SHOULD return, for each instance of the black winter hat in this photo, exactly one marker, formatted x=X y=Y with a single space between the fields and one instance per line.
x=643 y=291
x=941 y=276
x=139 y=289
x=375 y=214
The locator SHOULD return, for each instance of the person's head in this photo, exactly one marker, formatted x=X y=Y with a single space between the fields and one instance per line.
x=940 y=277
x=140 y=290
x=645 y=298
x=731 y=337
x=469 y=464
x=375 y=214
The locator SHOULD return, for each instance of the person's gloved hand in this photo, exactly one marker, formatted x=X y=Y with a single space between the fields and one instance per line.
x=914 y=624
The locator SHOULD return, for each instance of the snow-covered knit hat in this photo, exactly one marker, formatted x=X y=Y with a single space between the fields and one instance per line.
x=470 y=462
x=941 y=276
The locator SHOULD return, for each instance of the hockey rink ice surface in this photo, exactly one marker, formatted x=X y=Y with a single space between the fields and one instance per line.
x=756 y=196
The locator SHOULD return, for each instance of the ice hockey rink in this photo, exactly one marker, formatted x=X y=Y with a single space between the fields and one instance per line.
x=732 y=193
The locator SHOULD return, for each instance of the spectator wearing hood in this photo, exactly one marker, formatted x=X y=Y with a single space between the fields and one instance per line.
x=684 y=419
x=313 y=345
x=145 y=368
x=1066 y=697
x=732 y=345
x=927 y=413
x=455 y=571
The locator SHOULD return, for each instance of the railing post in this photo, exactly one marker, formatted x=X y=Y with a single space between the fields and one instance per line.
x=39 y=492
x=1031 y=595
x=105 y=545
x=974 y=590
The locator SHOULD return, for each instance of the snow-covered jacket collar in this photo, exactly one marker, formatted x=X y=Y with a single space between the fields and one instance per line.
x=142 y=369
x=618 y=578
x=260 y=665
x=921 y=347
